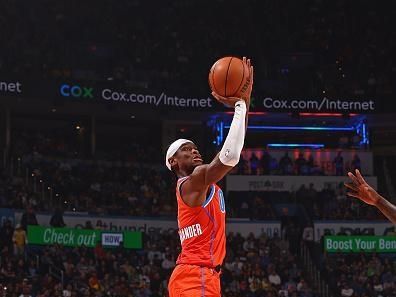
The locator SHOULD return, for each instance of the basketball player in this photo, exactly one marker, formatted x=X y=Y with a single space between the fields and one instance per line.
x=361 y=189
x=201 y=207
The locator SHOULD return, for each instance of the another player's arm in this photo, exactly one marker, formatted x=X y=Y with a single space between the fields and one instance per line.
x=362 y=190
x=387 y=208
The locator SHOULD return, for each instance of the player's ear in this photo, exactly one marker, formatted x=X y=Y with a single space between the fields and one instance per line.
x=172 y=161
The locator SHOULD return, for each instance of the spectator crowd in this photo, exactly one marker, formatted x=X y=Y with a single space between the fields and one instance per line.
x=363 y=275
x=318 y=48
x=268 y=164
x=47 y=174
x=254 y=266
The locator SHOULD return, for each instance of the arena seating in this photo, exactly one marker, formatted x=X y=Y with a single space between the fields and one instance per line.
x=255 y=266
x=310 y=52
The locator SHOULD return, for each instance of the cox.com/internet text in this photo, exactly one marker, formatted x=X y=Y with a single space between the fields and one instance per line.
x=324 y=104
x=162 y=99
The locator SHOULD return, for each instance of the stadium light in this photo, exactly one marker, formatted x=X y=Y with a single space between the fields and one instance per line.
x=296 y=145
x=298 y=128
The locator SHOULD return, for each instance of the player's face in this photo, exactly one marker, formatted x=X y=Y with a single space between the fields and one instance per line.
x=188 y=157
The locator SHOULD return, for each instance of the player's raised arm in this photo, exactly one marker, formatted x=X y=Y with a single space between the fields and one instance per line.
x=229 y=155
x=184 y=159
x=360 y=189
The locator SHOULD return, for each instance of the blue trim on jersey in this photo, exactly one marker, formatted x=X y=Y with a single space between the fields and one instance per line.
x=202 y=282
x=210 y=217
x=210 y=197
x=212 y=239
x=212 y=235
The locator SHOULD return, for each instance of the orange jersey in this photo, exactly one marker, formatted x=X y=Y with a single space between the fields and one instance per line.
x=202 y=229
x=194 y=281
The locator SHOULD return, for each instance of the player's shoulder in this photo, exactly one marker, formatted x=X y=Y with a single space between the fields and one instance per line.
x=196 y=179
x=199 y=169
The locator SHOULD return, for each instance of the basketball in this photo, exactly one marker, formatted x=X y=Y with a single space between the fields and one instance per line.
x=229 y=77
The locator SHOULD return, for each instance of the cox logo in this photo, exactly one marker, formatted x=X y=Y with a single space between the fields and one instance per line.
x=76 y=91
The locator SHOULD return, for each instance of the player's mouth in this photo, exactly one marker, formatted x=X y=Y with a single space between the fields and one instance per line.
x=197 y=159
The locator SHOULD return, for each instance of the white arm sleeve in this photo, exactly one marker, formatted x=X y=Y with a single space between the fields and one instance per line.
x=233 y=144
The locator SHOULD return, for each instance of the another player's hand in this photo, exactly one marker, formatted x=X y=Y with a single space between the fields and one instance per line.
x=360 y=189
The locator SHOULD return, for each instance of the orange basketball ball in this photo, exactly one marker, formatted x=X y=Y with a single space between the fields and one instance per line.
x=229 y=77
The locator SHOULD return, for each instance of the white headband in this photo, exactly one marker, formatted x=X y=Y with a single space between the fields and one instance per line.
x=173 y=149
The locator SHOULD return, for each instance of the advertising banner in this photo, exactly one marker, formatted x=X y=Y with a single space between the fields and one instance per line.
x=112 y=239
x=73 y=237
x=350 y=228
x=120 y=93
x=153 y=225
x=360 y=244
x=286 y=183
x=10 y=87
x=336 y=105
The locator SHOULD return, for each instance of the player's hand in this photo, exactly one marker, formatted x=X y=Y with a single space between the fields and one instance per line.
x=230 y=101
x=250 y=88
x=227 y=101
x=360 y=189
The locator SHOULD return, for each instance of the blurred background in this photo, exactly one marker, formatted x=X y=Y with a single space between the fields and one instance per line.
x=92 y=93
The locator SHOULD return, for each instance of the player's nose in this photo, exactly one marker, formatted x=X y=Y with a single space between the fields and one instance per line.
x=196 y=153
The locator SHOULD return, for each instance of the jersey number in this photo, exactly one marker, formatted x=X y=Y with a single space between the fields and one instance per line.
x=221 y=201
